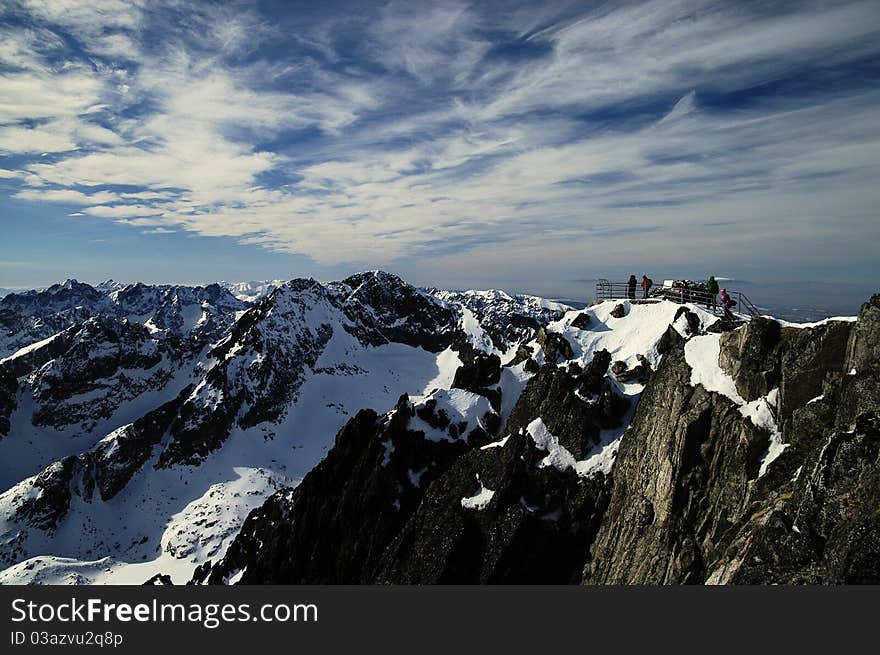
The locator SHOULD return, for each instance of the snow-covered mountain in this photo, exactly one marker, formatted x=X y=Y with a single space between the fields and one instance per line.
x=369 y=431
x=251 y=291
x=141 y=423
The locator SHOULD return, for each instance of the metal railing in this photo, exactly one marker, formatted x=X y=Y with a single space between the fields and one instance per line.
x=745 y=308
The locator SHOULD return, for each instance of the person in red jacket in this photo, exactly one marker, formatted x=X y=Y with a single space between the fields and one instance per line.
x=647 y=283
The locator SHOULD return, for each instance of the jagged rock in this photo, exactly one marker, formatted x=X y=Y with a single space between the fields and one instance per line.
x=554 y=345
x=523 y=354
x=46 y=509
x=480 y=376
x=483 y=371
x=531 y=366
x=171 y=309
x=8 y=400
x=670 y=340
x=552 y=395
x=639 y=373
x=534 y=529
x=858 y=391
x=809 y=355
x=591 y=379
x=721 y=325
x=581 y=321
x=619 y=367
x=426 y=412
x=286 y=346
x=693 y=321
x=689 y=454
x=57 y=298
x=619 y=311
x=395 y=312
x=864 y=347
x=750 y=356
x=160 y=579
x=102 y=358
x=820 y=528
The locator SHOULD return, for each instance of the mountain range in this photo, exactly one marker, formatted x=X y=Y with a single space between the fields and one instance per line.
x=368 y=431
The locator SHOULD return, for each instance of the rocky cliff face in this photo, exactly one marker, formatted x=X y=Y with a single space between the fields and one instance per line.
x=690 y=501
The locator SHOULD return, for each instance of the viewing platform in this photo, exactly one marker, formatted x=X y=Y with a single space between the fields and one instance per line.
x=673 y=290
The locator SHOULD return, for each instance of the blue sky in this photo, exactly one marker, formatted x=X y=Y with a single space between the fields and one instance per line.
x=523 y=145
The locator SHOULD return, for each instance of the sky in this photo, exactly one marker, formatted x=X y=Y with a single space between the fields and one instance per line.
x=531 y=146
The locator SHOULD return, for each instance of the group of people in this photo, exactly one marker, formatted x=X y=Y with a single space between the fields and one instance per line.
x=689 y=292
x=647 y=283
x=727 y=303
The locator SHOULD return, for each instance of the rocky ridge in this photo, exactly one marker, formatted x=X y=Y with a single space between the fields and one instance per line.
x=751 y=457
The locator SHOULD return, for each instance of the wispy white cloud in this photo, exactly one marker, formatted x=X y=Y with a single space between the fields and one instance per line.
x=121 y=211
x=66 y=196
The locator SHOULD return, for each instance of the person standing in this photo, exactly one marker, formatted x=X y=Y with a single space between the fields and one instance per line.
x=631 y=287
x=712 y=291
x=647 y=283
x=727 y=302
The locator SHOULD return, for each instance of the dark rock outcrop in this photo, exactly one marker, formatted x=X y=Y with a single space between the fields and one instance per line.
x=581 y=321
x=557 y=398
x=638 y=373
x=8 y=401
x=808 y=357
x=534 y=529
x=386 y=309
x=619 y=311
x=46 y=509
x=481 y=376
x=694 y=324
x=554 y=345
x=751 y=357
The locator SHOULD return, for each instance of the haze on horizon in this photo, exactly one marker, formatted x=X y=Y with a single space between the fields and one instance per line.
x=525 y=146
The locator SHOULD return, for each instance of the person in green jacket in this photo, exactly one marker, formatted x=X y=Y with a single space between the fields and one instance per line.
x=712 y=290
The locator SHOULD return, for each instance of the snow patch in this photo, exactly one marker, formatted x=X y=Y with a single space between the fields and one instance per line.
x=480 y=499
x=496 y=444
